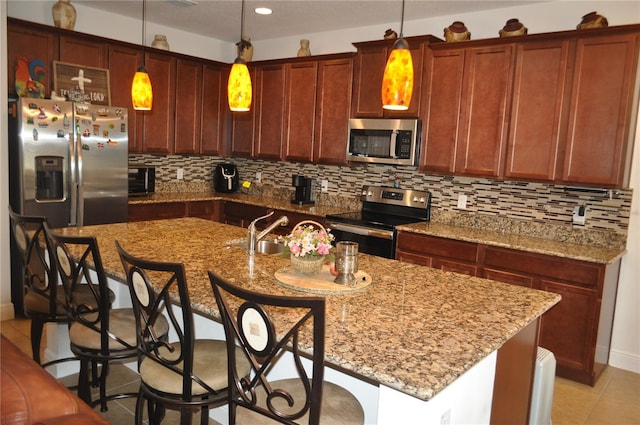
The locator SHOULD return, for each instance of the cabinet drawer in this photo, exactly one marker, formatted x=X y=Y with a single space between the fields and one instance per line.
x=440 y=247
x=586 y=274
x=508 y=277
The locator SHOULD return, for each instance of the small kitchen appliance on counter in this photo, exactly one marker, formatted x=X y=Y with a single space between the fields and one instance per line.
x=383 y=209
x=226 y=178
x=142 y=181
x=305 y=190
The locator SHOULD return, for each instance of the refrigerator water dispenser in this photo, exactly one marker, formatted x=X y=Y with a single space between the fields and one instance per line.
x=49 y=178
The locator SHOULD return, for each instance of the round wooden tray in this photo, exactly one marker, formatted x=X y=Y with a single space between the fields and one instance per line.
x=321 y=283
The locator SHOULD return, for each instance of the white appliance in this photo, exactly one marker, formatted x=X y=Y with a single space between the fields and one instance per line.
x=543 y=380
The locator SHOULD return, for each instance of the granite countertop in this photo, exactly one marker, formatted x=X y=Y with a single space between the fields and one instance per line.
x=265 y=201
x=590 y=253
x=414 y=328
x=555 y=243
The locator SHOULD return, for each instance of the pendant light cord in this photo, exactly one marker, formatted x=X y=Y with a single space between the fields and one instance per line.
x=402 y=21
x=242 y=23
x=144 y=31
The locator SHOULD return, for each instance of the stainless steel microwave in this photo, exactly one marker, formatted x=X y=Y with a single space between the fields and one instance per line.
x=384 y=141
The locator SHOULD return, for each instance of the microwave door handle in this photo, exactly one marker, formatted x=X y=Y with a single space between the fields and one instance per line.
x=392 y=144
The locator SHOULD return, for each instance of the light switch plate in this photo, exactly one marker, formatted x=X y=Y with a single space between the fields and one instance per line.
x=258 y=177
x=180 y=174
x=462 y=202
x=324 y=186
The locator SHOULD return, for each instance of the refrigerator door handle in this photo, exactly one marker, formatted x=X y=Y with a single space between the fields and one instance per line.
x=73 y=179
x=80 y=193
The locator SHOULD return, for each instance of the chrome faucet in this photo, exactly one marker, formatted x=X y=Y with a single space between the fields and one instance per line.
x=253 y=237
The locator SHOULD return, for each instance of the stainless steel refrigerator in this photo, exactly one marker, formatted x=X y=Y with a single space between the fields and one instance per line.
x=68 y=162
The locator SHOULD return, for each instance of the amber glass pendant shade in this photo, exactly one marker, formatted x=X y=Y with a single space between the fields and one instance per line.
x=239 y=87
x=397 y=83
x=141 y=91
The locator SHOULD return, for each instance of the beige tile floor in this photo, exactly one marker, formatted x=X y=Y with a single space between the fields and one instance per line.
x=615 y=399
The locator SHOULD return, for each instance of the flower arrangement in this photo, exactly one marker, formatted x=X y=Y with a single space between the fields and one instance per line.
x=308 y=241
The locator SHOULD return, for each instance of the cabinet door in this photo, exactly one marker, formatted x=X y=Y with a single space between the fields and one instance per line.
x=213 y=109
x=164 y=210
x=159 y=121
x=369 y=70
x=333 y=107
x=84 y=51
x=601 y=102
x=487 y=86
x=188 y=101
x=123 y=63
x=569 y=328
x=271 y=112
x=300 y=98
x=240 y=214
x=537 y=106
x=26 y=46
x=440 y=127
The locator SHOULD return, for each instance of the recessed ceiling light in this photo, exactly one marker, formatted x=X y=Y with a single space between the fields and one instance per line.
x=263 y=11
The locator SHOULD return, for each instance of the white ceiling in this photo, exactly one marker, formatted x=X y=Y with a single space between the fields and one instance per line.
x=220 y=19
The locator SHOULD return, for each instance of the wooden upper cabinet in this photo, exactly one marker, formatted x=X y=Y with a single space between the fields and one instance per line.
x=333 y=107
x=442 y=103
x=270 y=109
x=300 y=108
x=213 y=109
x=484 y=114
x=537 y=109
x=188 y=101
x=159 y=122
x=466 y=116
x=28 y=46
x=84 y=51
x=370 y=62
x=598 y=135
x=123 y=63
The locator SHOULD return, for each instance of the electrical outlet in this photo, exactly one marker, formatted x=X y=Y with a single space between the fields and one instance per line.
x=324 y=186
x=180 y=174
x=462 y=202
x=580 y=215
x=258 y=177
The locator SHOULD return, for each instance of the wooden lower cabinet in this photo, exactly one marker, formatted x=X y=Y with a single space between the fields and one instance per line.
x=577 y=329
x=239 y=214
x=209 y=210
x=439 y=253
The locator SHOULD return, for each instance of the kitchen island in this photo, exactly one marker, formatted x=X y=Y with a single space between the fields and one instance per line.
x=414 y=330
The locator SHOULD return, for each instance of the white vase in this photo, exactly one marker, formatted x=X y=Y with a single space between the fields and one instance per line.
x=64 y=14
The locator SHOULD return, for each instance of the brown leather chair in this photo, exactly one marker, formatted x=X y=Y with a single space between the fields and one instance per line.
x=44 y=298
x=186 y=373
x=98 y=334
x=29 y=395
x=249 y=320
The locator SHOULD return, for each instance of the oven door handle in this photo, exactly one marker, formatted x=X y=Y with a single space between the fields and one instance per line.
x=359 y=230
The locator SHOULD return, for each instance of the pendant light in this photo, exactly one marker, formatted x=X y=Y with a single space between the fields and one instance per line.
x=141 y=91
x=397 y=83
x=239 y=85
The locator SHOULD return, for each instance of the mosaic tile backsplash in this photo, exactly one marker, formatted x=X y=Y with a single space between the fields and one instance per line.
x=489 y=202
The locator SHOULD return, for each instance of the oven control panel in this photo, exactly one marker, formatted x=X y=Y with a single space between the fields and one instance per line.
x=395 y=196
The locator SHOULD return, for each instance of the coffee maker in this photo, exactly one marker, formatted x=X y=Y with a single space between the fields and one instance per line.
x=305 y=190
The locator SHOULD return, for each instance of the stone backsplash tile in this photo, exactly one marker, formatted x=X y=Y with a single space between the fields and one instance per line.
x=534 y=209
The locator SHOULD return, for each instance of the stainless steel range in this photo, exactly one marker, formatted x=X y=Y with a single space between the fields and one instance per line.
x=383 y=209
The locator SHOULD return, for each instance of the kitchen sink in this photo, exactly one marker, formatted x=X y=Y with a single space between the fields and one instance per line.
x=265 y=246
